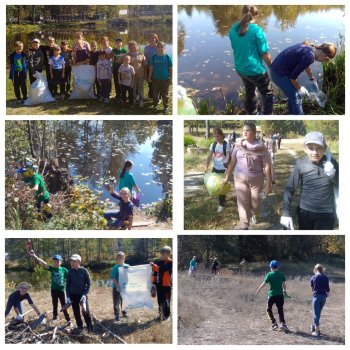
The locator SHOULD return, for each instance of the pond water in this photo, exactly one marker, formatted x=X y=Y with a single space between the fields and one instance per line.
x=139 y=33
x=96 y=151
x=205 y=58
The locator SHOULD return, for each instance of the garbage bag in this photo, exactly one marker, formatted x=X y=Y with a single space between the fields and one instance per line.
x=38 y=91
x=136 y=199
x=135 y=286
x=213 y=183
x=184 y=103
x=83 y=85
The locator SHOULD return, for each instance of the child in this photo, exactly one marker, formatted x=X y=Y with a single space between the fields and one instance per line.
x=117 y=298
x=271 y=147
x=161 y=278
x=219 y=150
x=104 y=76
x=47 y=51
x=160 y=74
x=94 y=53
x=149 y=51
x=78 y=286
x=58 y=278
x=15 y=301
x=215 y=267
x=318 y=175
x=18 y=71
x=193 y=266
x=138 y=61
x=126 y=178
x=118 y=51
x=81 y=53
x=126 y=79
x=277 y=281
x=36 y=60
x=320 y=288
x=67 y=54
x=105 y=46
x=57 y=72
x=125 y=214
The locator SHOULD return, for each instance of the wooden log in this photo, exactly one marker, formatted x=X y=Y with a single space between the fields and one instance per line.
x=107 y=330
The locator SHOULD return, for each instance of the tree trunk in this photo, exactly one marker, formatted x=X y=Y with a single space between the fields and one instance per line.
x=30 y=139
x=207 y=129
x=33 y=14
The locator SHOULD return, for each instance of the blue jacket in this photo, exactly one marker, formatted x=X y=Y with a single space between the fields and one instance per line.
x=12 y=63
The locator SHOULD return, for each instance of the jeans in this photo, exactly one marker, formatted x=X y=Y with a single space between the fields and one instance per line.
x=75 y=298
x=161 y=87
x=163 y=298
x=318 y=302
x=279 y=301
x=57 y=80
x=295 y=101
x=222 y=198
x=117 y=87
x=109 y=215
x=308 y=220
x=138 y=89
x=61 y=296
x=261 y=82
x=10 y=304
x=20 y=84
x=105 y=87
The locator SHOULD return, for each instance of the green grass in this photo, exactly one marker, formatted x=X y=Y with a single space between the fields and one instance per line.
x=89 y=107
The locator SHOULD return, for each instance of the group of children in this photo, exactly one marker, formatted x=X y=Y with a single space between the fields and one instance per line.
x=129 y=68
x=71 y=288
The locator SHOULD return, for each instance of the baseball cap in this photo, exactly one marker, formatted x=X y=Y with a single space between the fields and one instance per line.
x=57 y=257
x=35 y=40
x=315 y=137
x=118 y=39
x=274 y=264
x=75 y=257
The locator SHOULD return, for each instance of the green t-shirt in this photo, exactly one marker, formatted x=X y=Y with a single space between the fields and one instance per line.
x=41 y=194
x=58 y=277
x=275 y=280
x=18 y=64
x=117 y=53
x=126 y=181
x=115 y=272
x=248 y=49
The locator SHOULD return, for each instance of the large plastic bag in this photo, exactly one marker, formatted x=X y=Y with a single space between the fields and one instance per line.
x=38 y=91
x=135 y=286
x=184 y=103
x=136 y=199
x=83 y=86
x=213 y=183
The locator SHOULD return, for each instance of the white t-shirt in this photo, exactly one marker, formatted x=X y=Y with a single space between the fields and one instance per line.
x=126 y=74
x=218 y=156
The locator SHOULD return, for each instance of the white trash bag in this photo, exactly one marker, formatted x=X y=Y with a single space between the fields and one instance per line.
x=135 y=286
x=39 y=91
x=83 y=85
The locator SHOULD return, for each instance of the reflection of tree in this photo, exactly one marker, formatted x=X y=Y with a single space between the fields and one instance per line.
x=181 y=33
x=162 y=156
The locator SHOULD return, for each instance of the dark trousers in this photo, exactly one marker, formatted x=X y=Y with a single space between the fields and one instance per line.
x=117 y=302
x=61 y=296
x=222 y=199
x=263 y=84
x=67 y=78
x=32 y=78
x=39 y=205
x=279 y=301
x=127 y=90
x=57 y=81
x=161 y=87
x=117 y=86
x=48 y=78
x=214 y=270
x=11 y=304
x=105 y=87
x=75 y=298
x=20 y=84
x=163 y=298
x=308 y=220
x=114 y=219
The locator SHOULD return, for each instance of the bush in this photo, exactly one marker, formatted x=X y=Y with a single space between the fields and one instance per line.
x=40 y=278
x=205 y=143
x=188 y=141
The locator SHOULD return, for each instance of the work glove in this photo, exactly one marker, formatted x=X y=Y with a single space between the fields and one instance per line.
x=83 y=299
x=287 y=222
x=303 y=92
x=19 y=318
x=68 y=301
x=328 y=165
x=314 y=85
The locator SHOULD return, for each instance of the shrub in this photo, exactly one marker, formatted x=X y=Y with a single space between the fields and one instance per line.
x=188 y=141
x=40 y=278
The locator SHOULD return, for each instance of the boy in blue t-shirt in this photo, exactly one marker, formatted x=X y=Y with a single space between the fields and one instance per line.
x=18 y=71
x=160 y=74
x=117 y=298
x=57 y=72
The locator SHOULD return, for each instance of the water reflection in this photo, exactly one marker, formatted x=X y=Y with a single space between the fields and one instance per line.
x=204 y=50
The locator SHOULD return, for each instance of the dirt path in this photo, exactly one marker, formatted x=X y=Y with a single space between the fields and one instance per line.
x=200 y=208
x=142 y=221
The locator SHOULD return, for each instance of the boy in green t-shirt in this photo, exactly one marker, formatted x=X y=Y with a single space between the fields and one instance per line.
x=117 y=298
x=277 y=281
x=58 y=279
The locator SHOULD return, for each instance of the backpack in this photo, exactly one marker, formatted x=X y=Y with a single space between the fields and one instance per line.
x=224 y=146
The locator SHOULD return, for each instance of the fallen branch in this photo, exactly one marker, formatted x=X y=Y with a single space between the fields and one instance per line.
x=54 y=334
x=107 y=330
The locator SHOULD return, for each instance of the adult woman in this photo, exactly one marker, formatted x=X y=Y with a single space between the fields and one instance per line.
x=291 y=62
x=149 y=51
x=251 y=161
x=250 y=50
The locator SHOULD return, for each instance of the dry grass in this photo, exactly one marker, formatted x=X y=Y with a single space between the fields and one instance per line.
x=225 y=309
x=140 y=327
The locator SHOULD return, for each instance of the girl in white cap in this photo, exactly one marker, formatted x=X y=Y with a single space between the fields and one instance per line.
x=318 y=176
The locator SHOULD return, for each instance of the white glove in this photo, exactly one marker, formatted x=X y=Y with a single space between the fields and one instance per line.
x=19 y=317
x=303 y=92
x=314 y=85
x=328 y=165
x=83 y=299
x=68 y=301
x=287 y=222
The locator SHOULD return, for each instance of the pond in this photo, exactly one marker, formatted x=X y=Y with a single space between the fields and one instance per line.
x=205 y=58
x=139 y=33
x=96 y=151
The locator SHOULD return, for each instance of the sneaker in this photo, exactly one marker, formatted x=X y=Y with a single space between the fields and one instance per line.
x=220 y=208
x=166 y=111
x=283 y=327
x=124 y=313
x=316 y=333
x=313 y=328
x=274 y=327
